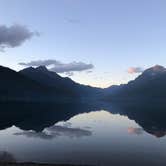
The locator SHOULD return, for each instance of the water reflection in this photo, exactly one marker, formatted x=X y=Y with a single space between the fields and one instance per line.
x=137 y=131
x=151 y=117
x=56 y=131
x=97 y=134
x=6 y=157
x=37 y=117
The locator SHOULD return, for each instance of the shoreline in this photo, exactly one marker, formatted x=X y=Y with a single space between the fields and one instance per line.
x=36 y=164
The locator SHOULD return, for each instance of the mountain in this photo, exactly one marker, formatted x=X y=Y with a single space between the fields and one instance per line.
x=59 y=84
x=15 y=85
x=40 y=84
x=22 y=86
x=51 y=80
x=151 y=84
x=44 y=76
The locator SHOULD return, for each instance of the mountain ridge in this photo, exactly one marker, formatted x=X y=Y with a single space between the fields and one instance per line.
x=40 y=84
x=150 y=84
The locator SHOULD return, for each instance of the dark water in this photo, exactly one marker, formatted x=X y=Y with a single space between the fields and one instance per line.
x=98 y=134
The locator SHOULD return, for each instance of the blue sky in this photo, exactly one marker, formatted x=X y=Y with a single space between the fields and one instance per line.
x=113 y=35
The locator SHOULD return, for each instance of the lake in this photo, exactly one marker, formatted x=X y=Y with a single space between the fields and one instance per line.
x=84 y=134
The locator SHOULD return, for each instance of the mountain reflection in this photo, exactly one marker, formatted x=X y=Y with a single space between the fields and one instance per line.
x=6 y=157
x=39 y=120
x=151 y=117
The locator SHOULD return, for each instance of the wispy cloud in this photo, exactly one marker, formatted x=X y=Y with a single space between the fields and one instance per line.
x=14 y=35
x=72 y=20
x=69 y=73
x=89 y=71
x=60 y=67
x=133 y=70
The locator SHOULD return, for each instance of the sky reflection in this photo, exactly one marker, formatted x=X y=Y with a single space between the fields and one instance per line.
x=87 y=138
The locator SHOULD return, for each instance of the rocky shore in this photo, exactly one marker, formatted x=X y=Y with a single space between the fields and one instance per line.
x=36 y=164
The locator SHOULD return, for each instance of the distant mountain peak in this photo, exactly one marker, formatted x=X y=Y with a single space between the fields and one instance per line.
x=158 y=68
x=155 y=70
x=28 y=69
x=42 y=68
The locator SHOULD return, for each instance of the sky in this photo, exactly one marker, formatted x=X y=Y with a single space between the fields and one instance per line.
x=95 y=42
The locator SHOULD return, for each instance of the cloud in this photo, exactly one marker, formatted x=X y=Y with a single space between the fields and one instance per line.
x=133 y=70
x=72 y=20
x=73 y=66
x=89 y=71
x=69 y=73
x=14 y=36
x=56 y=131
x=59 y=67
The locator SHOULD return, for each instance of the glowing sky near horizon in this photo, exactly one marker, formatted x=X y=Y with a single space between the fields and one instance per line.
x=113 y=35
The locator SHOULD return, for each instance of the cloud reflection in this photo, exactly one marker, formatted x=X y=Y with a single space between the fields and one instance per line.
x=136 y=131
x=56 y=131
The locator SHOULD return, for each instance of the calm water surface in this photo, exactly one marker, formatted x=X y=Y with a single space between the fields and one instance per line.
x=96 y=137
